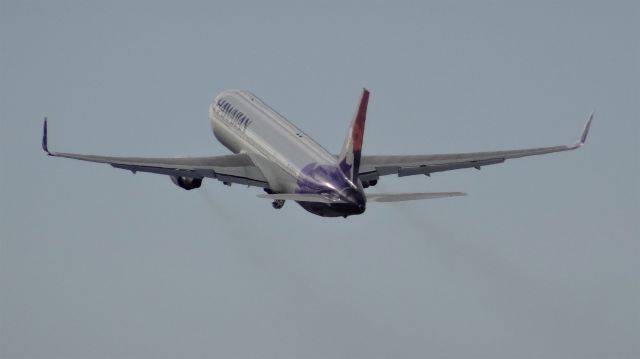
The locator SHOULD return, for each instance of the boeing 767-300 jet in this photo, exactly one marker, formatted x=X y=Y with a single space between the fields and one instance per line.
x=270 y=152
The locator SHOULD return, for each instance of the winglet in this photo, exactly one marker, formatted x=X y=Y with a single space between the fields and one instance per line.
x=585 y=133
x=45 y=147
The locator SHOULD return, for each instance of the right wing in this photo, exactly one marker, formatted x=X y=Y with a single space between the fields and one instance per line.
x=372 y=167
x=237 y=168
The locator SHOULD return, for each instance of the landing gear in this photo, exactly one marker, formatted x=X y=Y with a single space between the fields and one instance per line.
x=277 y=203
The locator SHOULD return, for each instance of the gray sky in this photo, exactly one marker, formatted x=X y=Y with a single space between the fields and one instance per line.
x=539 y=261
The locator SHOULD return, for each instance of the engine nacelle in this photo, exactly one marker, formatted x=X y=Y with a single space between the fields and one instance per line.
x=367 y=184
x=187 y=183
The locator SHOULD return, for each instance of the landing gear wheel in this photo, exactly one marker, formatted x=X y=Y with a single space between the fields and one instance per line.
x=278 y=203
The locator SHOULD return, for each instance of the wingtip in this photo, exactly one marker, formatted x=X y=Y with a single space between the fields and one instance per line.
x=587 y=126
x=45 y=145
x=583 y=135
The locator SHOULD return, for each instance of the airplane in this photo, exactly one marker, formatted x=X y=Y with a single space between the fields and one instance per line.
x=271 y=153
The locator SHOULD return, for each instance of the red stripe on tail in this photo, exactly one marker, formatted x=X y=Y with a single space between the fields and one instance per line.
x=349 y=159
x=358 y=121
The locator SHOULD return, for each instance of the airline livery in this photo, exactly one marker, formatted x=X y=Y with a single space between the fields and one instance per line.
x=270 y=152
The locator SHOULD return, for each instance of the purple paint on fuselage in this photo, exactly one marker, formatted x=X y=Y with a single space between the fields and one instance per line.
x=317 y=179
x=330 y=179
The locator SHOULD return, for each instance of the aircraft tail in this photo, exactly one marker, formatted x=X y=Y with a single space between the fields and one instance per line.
x=349 y=158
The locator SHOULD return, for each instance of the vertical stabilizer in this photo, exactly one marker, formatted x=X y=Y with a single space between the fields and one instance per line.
x=349 y=159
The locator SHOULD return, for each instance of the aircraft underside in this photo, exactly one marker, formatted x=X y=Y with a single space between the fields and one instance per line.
x=332 y=209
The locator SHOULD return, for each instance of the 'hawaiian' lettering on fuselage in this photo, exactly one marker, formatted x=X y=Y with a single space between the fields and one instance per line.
x=234 y=116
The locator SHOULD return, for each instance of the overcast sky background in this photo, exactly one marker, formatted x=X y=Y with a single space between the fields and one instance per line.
x=539 y=261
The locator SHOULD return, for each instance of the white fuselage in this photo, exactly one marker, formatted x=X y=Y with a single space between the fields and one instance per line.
x=291 y=161
x=245 y=124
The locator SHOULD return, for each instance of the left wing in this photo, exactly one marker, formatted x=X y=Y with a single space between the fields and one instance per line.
x=236 y=168
x=372 y=167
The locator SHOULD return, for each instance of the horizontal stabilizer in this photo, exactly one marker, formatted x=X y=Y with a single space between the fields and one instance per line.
x=302 y=197
x=399 y=197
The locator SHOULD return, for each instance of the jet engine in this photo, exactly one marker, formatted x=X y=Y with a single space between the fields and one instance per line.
x=187 y=183
x=367 y=184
